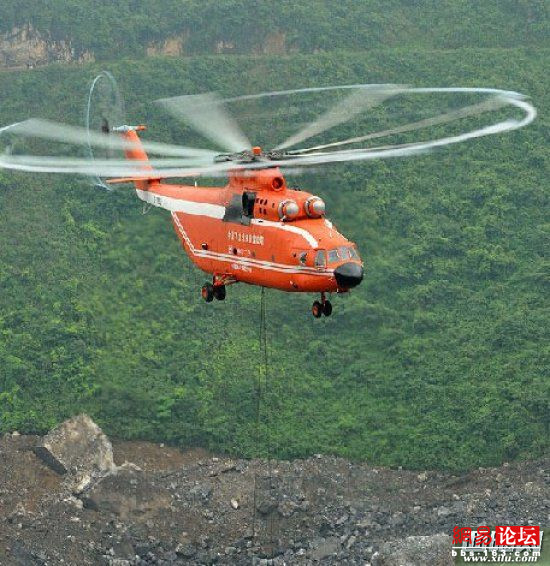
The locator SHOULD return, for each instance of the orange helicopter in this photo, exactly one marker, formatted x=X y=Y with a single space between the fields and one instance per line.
x=256 y=229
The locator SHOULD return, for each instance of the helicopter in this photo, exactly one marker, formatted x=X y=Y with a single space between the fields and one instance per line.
x=256 y=229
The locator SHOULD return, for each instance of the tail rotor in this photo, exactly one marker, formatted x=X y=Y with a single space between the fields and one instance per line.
x=104 y=109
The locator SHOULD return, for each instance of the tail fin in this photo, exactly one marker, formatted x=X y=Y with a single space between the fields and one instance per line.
x=134 y=152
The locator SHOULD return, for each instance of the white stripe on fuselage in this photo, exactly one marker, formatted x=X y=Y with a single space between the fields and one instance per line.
x=178 y=205
x=216 y=211
x=260 y=264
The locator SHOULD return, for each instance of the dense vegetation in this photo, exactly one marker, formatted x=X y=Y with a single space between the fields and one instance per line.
x=126 y=27
x=437 y=360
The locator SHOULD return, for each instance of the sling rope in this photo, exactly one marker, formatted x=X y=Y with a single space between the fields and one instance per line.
x=260 y=395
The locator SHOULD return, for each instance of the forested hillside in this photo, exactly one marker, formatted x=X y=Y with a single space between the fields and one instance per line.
x=87 y=29
x=438 y=360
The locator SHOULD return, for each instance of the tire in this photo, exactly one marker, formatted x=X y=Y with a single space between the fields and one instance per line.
x=317 y=309
x=327 y=308
x=207 y=292
x=219 y=292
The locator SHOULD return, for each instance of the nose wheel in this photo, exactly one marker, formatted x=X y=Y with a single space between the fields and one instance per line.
x=322 y=307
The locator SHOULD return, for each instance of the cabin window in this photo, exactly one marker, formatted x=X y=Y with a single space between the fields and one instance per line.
x=320 y=259
x=302 y=257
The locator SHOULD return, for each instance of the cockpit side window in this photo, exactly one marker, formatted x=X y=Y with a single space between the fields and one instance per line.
x=320 y=259
x=353 y=253
x=332 y=256
x=343 y=252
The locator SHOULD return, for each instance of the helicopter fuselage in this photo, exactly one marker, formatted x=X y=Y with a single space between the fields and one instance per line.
x=256 y=230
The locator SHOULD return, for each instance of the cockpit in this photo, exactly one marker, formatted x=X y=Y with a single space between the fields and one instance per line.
x=348 y=272
x=335 y=255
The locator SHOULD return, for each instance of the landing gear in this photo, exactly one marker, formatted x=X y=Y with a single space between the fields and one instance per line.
x=219 y=292
x=217 y=289
x=323 y=307
x=207 y=292
x=317 y=309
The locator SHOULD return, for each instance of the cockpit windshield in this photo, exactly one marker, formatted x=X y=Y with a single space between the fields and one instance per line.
x=342 y=253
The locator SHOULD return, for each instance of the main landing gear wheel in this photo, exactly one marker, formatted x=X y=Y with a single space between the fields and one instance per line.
x=219 y=292
x=322 y=307
x=317 y=309
x=207 y=292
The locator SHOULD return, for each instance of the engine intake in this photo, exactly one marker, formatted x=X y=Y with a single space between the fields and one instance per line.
x=288 y=210
x=315 y=207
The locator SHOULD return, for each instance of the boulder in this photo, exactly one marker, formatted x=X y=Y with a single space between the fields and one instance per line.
x=129 y=495
x=77 y=447
x=415 y=551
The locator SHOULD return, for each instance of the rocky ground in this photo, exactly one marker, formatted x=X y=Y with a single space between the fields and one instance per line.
x=72 y=498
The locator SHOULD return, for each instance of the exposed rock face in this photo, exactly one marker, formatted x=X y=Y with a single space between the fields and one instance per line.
x=273 y=44
x=415 y=551
x=78 y=447
x=26 y=47
x=172 y=46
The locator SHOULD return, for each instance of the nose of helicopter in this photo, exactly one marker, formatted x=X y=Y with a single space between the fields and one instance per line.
x=348 y=275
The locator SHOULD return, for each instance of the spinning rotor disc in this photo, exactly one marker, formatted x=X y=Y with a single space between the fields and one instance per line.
x=104 y=109
x=363 y=99
x=471 y=112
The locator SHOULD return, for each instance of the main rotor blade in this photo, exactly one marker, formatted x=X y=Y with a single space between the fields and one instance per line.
x=201 y=165
x=404 y=150
x=101 y=168
x=206 y=113
x=354 y=104
x=397 y=150
x=64 y=133
x=492 y=103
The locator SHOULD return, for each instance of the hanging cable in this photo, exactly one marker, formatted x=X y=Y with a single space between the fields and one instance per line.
x=269 y=414
x=258 y=407
x=261 y=392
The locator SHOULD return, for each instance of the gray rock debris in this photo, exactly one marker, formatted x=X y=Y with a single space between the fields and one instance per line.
x=415 y=551
x=128 y=495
